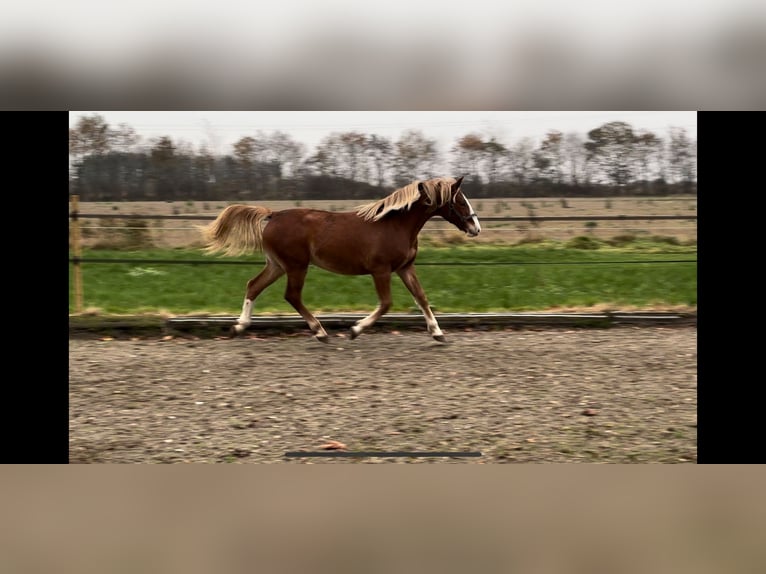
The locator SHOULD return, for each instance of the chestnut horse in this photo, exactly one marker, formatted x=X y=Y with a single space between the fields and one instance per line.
x=377 y=239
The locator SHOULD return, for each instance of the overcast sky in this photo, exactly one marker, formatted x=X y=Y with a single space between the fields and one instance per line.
x=346 y=54
x=219 y=130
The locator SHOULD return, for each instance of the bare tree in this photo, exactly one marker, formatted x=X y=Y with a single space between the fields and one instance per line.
x=204 y=165
x=321 y=162
x=647 y=149
x=163 y=149
x=521 y=160
x=353 y=147
x=380 y=154
x=574 y=158
x=682 y=157
x=343 y=155
x=244 y=152
x=549 y=156
x=610 y=147
x=415 y=157
x=124 y=138
x=496 y=156
x=287 y=152
x=468 y=156
x=91 y=135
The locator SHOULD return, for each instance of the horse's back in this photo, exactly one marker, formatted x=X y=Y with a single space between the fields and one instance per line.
x=297 y=225
x=289 y=232
x=291 y=235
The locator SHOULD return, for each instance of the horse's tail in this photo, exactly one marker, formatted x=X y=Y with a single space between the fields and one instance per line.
x=238 y=229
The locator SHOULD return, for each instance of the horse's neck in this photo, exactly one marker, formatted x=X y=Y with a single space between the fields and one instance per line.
x=415 y=218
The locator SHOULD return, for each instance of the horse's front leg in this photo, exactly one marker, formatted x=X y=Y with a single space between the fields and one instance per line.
x=295 y=280
x=255 y=286
x=410 y=280
x=383 y=287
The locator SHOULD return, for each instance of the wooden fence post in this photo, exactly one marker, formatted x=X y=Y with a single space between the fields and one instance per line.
x=77 y=252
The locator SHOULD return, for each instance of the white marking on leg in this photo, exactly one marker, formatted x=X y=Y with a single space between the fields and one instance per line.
x=244 y=319
x=367 y=321
x=433 y=326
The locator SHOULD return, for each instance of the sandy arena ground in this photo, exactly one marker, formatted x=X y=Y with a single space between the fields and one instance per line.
x=625 y=394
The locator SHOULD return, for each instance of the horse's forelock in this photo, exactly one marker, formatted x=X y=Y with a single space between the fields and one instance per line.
x=438 y=191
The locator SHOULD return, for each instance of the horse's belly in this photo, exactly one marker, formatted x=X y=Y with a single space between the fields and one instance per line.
x=338 y=265
x=355 y=257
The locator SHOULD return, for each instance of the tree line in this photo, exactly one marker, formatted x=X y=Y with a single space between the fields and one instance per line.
x=114 y=164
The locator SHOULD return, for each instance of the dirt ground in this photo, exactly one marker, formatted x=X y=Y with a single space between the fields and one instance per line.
x=625 y=394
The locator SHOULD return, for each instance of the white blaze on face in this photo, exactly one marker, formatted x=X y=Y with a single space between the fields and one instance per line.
x=474 y=219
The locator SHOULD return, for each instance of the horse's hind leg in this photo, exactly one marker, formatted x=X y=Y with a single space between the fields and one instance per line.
x=383 y=287
x=255 y=286
x=295 y=279
x=410 y=280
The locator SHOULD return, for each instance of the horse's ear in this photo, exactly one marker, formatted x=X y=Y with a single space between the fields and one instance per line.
x=456 y=185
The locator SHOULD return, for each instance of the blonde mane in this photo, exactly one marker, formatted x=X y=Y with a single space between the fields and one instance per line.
x=436 y=193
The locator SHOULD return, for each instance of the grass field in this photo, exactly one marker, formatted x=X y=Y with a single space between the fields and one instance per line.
x=464 y=278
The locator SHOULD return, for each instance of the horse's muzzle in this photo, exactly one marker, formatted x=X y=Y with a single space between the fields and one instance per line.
x=474 y=227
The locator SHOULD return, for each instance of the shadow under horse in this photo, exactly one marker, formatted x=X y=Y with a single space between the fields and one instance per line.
x=378 y=239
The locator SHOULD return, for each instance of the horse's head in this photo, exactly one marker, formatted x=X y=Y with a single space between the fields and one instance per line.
x=458 y=211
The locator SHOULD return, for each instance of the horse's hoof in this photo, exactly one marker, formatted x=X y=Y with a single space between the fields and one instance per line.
x=234 y=332
x=440 y=338
x=354 y=333
x=322 y=338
